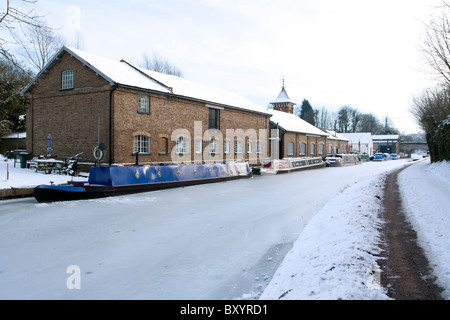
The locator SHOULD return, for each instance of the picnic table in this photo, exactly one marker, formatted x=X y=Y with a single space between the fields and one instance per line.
x=48 y=165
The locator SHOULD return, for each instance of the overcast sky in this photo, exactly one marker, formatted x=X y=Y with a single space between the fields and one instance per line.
x=364 y=54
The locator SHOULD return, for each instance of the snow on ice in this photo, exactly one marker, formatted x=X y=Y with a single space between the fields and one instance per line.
x=333 y=257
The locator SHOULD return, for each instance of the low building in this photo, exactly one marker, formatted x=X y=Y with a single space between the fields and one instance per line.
x=84 y=101
x=13 y=141
x=360 y=142
x=386 y=143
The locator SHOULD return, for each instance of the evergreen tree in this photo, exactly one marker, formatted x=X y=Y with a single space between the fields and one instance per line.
x=307 y=112
x=12 y=107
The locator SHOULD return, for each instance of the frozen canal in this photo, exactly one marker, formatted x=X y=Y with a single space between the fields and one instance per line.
x=216 y=241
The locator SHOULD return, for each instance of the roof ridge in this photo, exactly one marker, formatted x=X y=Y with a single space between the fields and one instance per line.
x=146 y=75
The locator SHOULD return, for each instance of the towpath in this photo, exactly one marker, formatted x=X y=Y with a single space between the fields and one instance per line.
x=405 y=269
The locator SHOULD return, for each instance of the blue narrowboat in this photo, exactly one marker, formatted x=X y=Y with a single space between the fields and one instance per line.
x=119 y=180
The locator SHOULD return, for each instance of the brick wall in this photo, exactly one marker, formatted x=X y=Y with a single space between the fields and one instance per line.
x=70 y=116
x=171 y=117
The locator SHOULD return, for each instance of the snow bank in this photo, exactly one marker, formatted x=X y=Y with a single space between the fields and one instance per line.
x=425 y=192
x=335 y=255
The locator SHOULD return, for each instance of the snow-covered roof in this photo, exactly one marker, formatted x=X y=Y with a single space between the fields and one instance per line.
x=290 y=122
x=191 y=89
x=283 y=97
x=15 y=135
x=333 y=135
x=358 y=137
x=126 y=74
x=385 y=137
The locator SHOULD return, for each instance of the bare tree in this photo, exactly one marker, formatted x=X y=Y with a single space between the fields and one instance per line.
x=344 y=118
x=323 y=119
x=10 y=19
x=432 y=112
x=159 y=64
x=369 y=123
x=355 y=118
x=432 y=107
x=436 y=47
x=79 y=41
x=37 y=44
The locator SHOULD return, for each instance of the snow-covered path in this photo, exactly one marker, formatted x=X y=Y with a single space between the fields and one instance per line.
x=425 y=192
x=218 y=241
x=335 y=257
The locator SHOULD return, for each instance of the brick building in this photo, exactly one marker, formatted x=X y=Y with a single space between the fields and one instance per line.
x=83 y=100
x=336 y=142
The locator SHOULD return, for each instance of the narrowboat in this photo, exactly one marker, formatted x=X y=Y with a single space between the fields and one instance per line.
x=340 y=160
x=120 y=180
x=290 y=164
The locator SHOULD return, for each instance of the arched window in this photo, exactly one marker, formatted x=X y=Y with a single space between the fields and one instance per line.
x=163 y=145
x=141 y=144
x=290 y=149
x=214 y=146
x=312 y=149
x=321 y=148
x=302 y=149
x=238 y=147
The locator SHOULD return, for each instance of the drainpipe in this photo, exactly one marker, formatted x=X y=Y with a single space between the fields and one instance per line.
x=114 y=87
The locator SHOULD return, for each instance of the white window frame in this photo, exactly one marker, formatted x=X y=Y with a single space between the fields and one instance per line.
x=290 y=151
x=182 y=146
x=214 y=147
x=226 y=147
x=143 y=103
x=198 y=146
x=302 y=150
x=238 y=147
x=67 y=80
x=321 y=148
x=141 y=144
x=258 y=147
x=312 y=149
x=249 y=147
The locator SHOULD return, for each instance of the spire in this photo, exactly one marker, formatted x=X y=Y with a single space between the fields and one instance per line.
x=283 y=102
